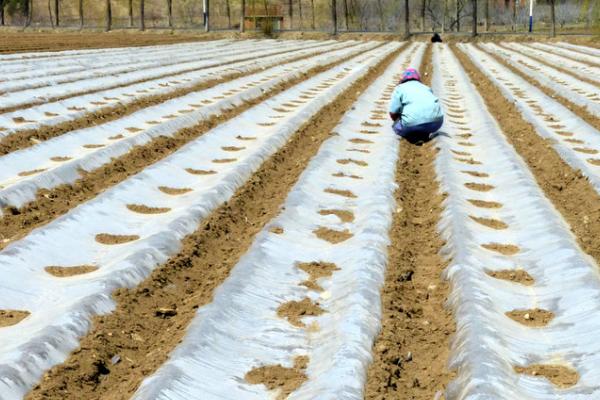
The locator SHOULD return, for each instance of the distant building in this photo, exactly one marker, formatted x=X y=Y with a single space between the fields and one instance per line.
x=257 y=17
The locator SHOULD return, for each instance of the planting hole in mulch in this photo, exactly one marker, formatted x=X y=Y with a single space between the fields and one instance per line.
x=93 y=146
x=316 y=271
x=174 y=191
x=276 y=230
x=31 y=172
x=485 y=204
x=232 y=148
x=344 y=175
x=343 y=193
x=476 y=174
x=59 y=159
x=200 y=171
x=461 y=153
x=585 y=150
x=116 y=137
x=65 y=272
x=12 y=317
x=293 y=311
x=247 y=138
x=505 y=249
x=559 y=375
x=352 y=161
x=133 y=129
x=470 y=161
x=479 y=187
x=519 y=276
x=277 y=377
x=224 y=160
x=332 y=236
x=361 y=141
x=110 y=239
x=535 y=317
x=343 y=215
x=142 y=209
x=490 y=222
x=594 y=161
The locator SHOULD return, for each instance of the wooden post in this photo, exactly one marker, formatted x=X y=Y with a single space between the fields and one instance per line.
x=406 y=19
x=474 y=33
x=80 y=14
x=108 y=16
x=142 y=19
x=334 y=16
x=130 y=13
x=553 y=16
x=243 y=16
x=170 y=13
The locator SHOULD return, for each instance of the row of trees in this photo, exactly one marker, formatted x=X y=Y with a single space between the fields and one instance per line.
x=348 y=15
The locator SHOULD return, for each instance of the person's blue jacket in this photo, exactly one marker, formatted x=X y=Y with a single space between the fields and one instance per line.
x=416 y=104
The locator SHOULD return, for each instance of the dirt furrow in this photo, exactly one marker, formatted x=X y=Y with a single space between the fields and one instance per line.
x=411 y=353
x=150 y=320
x=569 y=190
x=30 y=137
x=555 y=66
x=51 y=203
x=555 y=94
x=165 y=75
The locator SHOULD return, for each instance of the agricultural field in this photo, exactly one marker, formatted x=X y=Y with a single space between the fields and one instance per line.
x=235 y=219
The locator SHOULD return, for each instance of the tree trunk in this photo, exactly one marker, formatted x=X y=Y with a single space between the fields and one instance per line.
x=553 y=16
x=457 y=15
x=130 y=13
x=50 y=14
x=1 y=12
x=291 y=13
x=142 y=19
x=57 y=11
x=381 y=16
x=266 y=6
x=334 y=16
x=170 y=13
x=80 y=14
x=474 y=33
x=487 y=15
x=346 y=15
x=242 y=17
x=423 y=8
x=28 y=12
x=228 y=10
x=312 y=14
x=301 y=15
x=108 y=16
x=514 y=18
x=206 y=15
x=406 y=19
x=444 y=16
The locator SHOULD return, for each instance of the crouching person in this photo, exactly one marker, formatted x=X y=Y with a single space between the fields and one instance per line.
x=415 y=110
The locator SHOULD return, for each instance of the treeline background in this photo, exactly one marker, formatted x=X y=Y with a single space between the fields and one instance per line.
x=571 y=16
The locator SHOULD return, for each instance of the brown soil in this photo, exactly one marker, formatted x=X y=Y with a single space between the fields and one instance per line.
x=143 y=209
x=12 y=317
x=505 y=249
x=278 y=377
x=27 y=138
x=294 y=311
x=490 y=222
x=534 y=318
x=107 y=238
x=343 y=193
x=555 y=94
x=316 y=271
x=559 y=375
x=64 y=272
x=343 y=215
x=570 y=192
x=188 y=279
x=411 y=353
x=513 y=275
x=333 y=236
x=50 y=204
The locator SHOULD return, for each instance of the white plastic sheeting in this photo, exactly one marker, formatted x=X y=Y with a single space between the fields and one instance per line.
x=240 y=329
x=47 y=93
x=75 y=107
x=488 y=344
x=61 y=308
x=165 y=119
x=571 y=88
x=577 y=68
x=551 y=119
x=567 y=53
x=582 y=49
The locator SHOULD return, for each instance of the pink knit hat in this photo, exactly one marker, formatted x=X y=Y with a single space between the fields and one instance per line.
x=410 y=74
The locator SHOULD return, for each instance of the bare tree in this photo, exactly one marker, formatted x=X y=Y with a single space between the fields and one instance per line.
x=406 y=19
x=514 y=16
x=487 y=15
x=50 y=14
x=142 y=16
x=228 y=11
x=108 y=16
x=1 y=12
x=346 y=14
x=170 y=13
x=28 y=12
x=130 y=13
x=206 y=15
x=474 y=33
x=80 y=14
x=444 y=16
x=423 y=7
x=57 y=12
x=312 y=14
x=243 y=16
x=301 y=16
x=381 y=16
x=291 y=13
x=553 y=16
x=458 y=8
x=334 y=16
